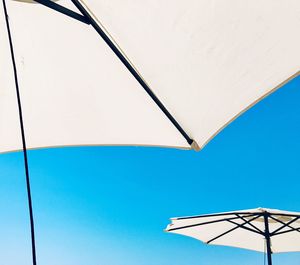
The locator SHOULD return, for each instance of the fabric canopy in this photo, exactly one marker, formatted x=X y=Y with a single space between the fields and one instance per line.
x=243 y=229
x=207 y=62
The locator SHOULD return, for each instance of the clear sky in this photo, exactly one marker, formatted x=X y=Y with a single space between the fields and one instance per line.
x=109 y=205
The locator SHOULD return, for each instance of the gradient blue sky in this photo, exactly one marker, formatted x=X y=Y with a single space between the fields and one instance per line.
x=109 y=205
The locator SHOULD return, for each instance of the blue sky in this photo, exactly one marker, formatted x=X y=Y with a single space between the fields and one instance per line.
x=109 y=205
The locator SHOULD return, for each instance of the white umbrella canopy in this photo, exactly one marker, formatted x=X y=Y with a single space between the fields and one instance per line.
x=248 y=229
x=206 y=61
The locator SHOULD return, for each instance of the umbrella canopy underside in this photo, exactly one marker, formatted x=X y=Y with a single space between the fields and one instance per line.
x=207 y=61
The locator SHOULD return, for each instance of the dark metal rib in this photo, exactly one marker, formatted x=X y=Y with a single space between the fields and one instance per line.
x=283 y=224
x=131 y=69
x=63 y=10
x=206 y=223
x=232 y=229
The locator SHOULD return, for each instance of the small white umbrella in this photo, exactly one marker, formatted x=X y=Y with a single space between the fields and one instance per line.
x=261 y=229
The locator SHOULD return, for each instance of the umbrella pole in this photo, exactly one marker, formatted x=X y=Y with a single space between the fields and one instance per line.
x=268 y=239
x=23 y=136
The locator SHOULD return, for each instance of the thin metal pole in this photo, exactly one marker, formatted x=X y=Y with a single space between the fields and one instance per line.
x=268 y=239
x=23 y=135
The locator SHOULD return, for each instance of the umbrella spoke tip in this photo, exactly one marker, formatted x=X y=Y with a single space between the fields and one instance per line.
x=195 y=146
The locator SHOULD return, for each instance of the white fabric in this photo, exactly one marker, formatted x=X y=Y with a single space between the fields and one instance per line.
x=241 y=238
x=207 y=61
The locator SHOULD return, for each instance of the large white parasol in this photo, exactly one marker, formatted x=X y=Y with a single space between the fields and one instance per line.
x=205 y=61
x=163 y=73
x=269 y=230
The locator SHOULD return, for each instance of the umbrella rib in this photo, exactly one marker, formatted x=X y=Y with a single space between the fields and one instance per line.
x=232 y=229
x=63 y=10
x=255 y=227
x=285 y=214
x=216 y=215
x=287 y=231
x=24 y=146
x=205 y=223
x=247 y=228
x=284 y=224
x=133 y=71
